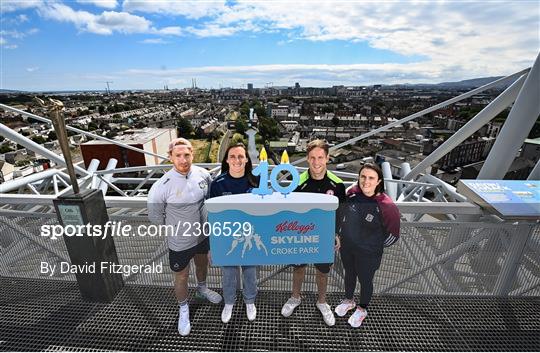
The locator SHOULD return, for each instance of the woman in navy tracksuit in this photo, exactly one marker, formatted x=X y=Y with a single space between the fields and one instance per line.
x=369 y=221
x=236 y=178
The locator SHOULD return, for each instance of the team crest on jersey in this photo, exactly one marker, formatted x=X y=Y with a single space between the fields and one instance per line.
x=369 y=217
x=330 y=192
x=203 y=184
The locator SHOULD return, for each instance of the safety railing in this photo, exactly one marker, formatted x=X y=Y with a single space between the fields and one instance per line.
x=476 y=258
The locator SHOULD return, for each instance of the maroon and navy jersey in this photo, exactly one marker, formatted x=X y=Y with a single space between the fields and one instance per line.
x=368 y=223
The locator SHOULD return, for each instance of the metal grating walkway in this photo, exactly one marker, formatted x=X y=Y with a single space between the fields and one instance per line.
x=43 y=315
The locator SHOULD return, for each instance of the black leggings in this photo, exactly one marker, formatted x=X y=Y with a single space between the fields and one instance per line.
x=363 y=267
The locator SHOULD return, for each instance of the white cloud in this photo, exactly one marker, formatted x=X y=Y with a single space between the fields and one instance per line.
x=173 y=30
x=32 y=69
x=154 y=41
x=108 y=4
x=106 y=23
x=16 y=5
x=4 y=44
x=471 y=38
x=14 y=34
x=188 y=9
x=317 y=75
x=212 y=30
x=18 y=35
x=22 y=18
x=122 y=22
x=63 y=13
x=444 y=40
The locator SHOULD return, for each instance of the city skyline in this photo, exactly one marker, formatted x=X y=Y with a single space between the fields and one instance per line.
x=80 y=45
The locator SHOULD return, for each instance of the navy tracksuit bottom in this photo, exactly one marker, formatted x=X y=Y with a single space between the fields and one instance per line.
x=362 y=267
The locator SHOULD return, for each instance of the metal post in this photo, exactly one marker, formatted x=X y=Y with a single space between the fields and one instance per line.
x=535 y=173
x=521 y=119
x=390 y=187
x=80 y=209
x=60 y=127
x=512 y=260
x=103 y=186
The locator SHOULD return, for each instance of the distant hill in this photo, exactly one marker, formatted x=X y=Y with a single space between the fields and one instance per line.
x=475 y=82
x=464 y=84
x=6 y=91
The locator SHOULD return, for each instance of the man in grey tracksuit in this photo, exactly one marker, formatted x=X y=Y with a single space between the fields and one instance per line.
x=177 y=199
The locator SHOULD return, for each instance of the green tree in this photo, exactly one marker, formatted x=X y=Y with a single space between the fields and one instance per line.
x=139 y=125
x=52 y=135
x=268 y=129
x=259 y=109
x=38 y=139
x=237 y=138
x=92 y=126
x=22 y=163
x=244 y=110
x=184 y=127
x=5 y=149
x=241 y=125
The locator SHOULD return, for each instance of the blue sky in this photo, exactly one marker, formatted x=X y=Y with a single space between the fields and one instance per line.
x=136 y=44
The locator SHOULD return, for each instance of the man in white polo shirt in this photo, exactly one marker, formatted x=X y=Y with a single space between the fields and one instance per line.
x=177 y=199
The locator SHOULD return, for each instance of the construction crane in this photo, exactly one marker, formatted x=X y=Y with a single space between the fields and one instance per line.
x=108 y=89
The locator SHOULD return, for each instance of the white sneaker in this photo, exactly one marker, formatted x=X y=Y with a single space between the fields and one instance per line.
x=357 y=318
x=251 y=311
x=289 y=306
x=345 y=305
x=208 y=294
x=184 y=326
x=227 y=313
x=328 y=315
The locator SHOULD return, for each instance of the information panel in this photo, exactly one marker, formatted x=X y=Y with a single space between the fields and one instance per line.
x=518 y=199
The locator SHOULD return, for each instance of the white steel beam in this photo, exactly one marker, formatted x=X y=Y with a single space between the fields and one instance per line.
x=482 y=118
x=519 y=123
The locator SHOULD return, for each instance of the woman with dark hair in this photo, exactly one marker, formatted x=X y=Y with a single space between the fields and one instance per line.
x=369 y=222
x=236 y=178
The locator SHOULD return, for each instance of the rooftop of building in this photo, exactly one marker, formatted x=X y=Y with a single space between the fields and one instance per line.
x=133 y=136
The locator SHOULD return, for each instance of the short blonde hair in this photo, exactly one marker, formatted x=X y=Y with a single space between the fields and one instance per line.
x=180 y=142
x=317 y=144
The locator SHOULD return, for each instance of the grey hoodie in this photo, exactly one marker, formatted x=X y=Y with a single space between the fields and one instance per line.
x=178 y=200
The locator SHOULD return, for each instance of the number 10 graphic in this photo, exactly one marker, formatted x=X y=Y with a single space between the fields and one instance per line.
x=262 y=170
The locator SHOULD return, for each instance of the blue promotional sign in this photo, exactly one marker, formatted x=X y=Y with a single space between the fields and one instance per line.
x=508 y=198
x=247 y=229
